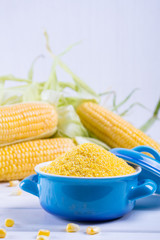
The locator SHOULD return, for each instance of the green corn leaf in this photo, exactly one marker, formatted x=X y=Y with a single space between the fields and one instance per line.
x=106 y=93
x=157 y=109
x=17 y=87
x=1 y=90
x=81 y=86
x=69 y=48
x=31 y=93
x=69 y=123
x=112 y=93
x=124 y=101
x=10 y=77
x=74 y=101
x=148 y=124
x=64 y=85
x=12 y=96
x=132 y=106
x=52 y=82
x=31 y=70
x=151 y=120
x=51 y=96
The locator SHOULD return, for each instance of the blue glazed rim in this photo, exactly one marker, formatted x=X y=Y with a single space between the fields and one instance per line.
x=85 y=179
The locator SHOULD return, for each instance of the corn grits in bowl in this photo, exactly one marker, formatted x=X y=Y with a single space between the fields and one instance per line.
x=88 y=160
x=87 y=183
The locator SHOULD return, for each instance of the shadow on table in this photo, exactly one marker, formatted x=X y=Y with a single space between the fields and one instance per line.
x=148 y=203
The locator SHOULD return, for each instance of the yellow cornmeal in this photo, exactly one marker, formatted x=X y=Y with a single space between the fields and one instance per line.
x=88 y=160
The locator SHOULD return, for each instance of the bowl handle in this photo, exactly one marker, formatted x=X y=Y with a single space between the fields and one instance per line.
x=145 y=188
x=147 y=149
x=30 y=184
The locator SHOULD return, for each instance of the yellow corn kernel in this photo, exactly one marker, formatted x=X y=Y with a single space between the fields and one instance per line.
x=3 y=233
x=111 y=128
x=43 y=232
x=13 y=183
x=88 y=160
x=71 y=227
x=9 y=222
x=26 y=121
x=18 y=192
x=41 y=237
x=92 y=230
x=18 y=160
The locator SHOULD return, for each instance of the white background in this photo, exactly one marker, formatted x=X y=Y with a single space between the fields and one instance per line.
x=120 y=49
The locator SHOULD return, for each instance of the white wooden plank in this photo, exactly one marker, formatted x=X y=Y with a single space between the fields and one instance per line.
x=82 y=235
x=32 y=219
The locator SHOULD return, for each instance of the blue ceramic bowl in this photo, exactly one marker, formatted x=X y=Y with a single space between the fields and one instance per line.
x=87 y=199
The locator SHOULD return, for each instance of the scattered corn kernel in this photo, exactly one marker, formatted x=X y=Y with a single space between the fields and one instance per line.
x=9 y=222
x=18 y=192
x=43 y=232
x=41 y=237
x=92 y=230
x=88 y=160
x=71 y=227
x=14 y=183
x=3 y=233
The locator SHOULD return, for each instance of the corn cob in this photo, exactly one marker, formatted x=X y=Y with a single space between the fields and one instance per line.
x=18 y=160
x=111 y=128
x=27 y=121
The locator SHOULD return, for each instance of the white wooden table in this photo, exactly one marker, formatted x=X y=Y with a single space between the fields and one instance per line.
x=142 y=223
